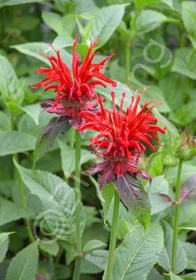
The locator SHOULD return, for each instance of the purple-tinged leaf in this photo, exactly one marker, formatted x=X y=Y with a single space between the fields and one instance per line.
x=159 y=202
x=133 y=195
x=46 y=139
x=188 y=188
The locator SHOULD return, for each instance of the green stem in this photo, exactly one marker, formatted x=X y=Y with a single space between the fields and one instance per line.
x=127 y=61
x=113 y=237
x=22 y=192
x=177 y=208
x=76 y=275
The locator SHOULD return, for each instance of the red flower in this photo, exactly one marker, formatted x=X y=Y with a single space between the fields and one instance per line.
x=121 y=137
x=73 y=95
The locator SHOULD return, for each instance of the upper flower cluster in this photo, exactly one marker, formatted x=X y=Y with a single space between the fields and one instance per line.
x=121 y=137
x=73 y=94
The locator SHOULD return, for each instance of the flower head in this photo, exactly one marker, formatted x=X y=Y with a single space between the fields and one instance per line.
x=77 y=93
x=121 y=137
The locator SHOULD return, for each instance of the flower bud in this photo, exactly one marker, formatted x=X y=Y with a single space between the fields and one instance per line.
x=170 y=160
x=186 y=147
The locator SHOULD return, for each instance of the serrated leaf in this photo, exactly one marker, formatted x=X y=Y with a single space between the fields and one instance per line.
x=190 y=252
x=58 y=201
x=188 y=188
x=184 y=62
x=135 y=251
x=189 y=19
x=159 y=202
x=9 y=85
x=47 y=137
x=105 y=23
x=54 y=21
x=10 y=212
x=95 y=262
x=133 y=195
x=15 y=142
x=148 y=20
x=165 y=258
x=62 y=41
x=24 y=265
x=50 y=247
x=36 y=48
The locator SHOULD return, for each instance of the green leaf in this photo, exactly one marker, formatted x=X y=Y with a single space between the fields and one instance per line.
x=61 y=25
x=35 y=49
x=62 y=41
x=107 y=194
x=185 y=114
x=171 y=86
x=68 y=157
x=9 y=85
x=105 y=23
x=124 y=223
x=17 y=2
x=50 y=247
x=47 y=137
x=184 y=62
x=154 y=275
x=133 y=195
x=148 y=20
x=58 y=201
x=10 y=212
x=54 y=21
x=24 y=265
x=158 y=184
x=95 y=262
x=5 y=122
x=171 y=129
x=189 y=19
x=137 y=254
x=106 y=92
x=93 y=244
x=188 y=188
x=165 y=258
x=3 y=244
x=158 y=194
x=15 y=142
x=174 y=277
x=140 y=4
x=190 y=252
x=32 y=110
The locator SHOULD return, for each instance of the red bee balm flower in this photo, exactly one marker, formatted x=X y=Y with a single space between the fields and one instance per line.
x=120 y=137
x=73 y=95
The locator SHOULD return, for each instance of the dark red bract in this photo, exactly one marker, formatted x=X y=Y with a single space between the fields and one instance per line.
x=121 y=137
x=77 y=93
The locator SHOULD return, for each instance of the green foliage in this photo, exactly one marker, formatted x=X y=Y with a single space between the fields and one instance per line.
x=135 y=250
x=154 y=42
x=24 y=265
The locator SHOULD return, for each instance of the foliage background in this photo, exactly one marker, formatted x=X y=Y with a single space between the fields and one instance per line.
x=155 y=45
